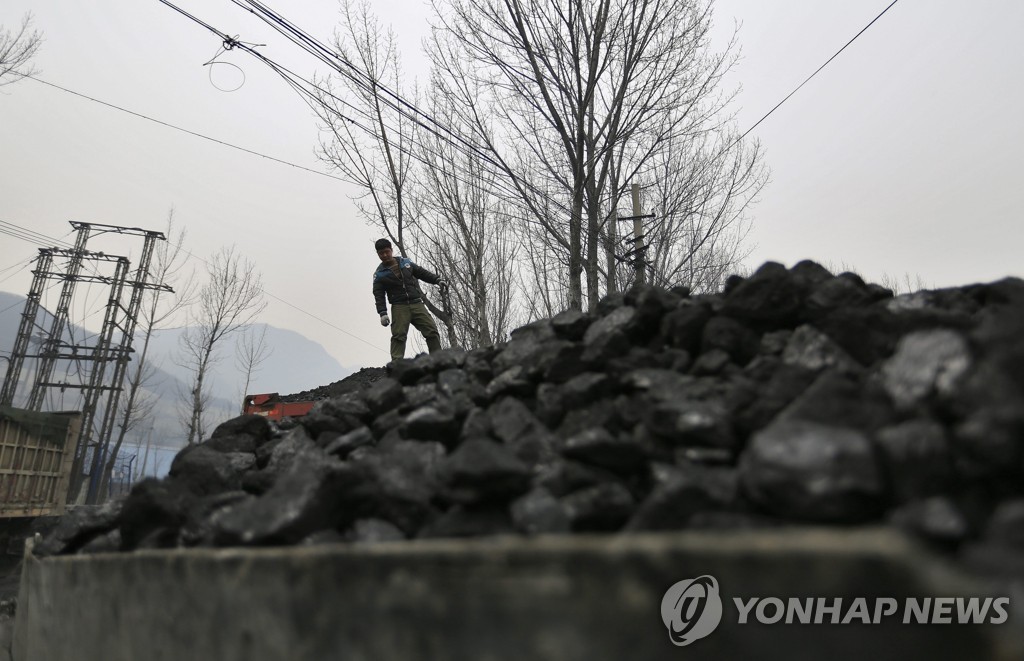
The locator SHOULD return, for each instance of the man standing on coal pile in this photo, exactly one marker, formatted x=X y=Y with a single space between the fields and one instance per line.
x=399 y=278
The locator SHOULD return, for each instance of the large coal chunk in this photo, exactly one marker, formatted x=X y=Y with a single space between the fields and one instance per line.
x=384 y=395
x=926 y=363
x=341 y=445
x=396 y=482
x=868 y=334
x=539 y=512
x=937 y=520
x=987 y=446
x=692 y=423
x=407 y=371
x=732 y=338
x=305 y=499
x=651 y=303
x=770 y=298
x=560 y=478
x=512 y=422
x=598 y=446
x=683 y=327
x=530 y=348
x=585 y=388
x=917 y=459
x=481 y=470
x=813 y=472
x=155 y=509
x=810 y=274
x=204 y=470
x=843 y=291
x=515 y=381
x=438 y=422
x=242 y=434
x=566 y=364
x=79 y=527
x=571 y=324
x=340 y=414
x=601 y=508
x=198 y=526
x=682 y=492
x=842 y=400
x=441 y=361
x=620 y=322
x=275 y=458
x=458 y=384
x=811 y=349
x=777 y=385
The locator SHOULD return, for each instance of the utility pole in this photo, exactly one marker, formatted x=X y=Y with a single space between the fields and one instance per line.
x=610 y=246
x=638 y=235
x=637 y=255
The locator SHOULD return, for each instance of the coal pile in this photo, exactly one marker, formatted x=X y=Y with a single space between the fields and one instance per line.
x=795 y=396
x=360 y=380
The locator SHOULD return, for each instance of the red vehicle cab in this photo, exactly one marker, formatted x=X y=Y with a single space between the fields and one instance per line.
x=271 y=406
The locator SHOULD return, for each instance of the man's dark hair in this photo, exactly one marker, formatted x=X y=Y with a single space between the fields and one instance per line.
x=381 y=244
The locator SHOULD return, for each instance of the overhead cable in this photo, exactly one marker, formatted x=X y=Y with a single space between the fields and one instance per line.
x=183 y=130
x=816 y=71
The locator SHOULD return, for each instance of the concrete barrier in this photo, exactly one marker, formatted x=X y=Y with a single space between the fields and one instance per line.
x=561 y=598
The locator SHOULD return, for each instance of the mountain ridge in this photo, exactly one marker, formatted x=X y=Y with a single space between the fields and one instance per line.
x=294 y=364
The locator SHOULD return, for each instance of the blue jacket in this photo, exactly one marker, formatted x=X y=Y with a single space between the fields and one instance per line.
x=402 y=288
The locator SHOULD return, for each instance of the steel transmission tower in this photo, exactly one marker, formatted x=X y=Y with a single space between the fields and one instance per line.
x=113 y=344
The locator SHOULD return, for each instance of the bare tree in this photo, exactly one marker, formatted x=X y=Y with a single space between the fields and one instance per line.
x=17 y=48
x=699 y=197
x=230 y=299
x=373 y=140
x=577 y=94
x=251 y=350
x=464 y=229
x=158 y=308
x=370 y=140
x=903 y=285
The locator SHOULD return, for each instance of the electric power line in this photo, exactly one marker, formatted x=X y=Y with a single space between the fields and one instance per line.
x=364 y=81
x=19 y=232
x=292 y=305
x=390 y=98
x=288 y=76
x=834 y=56
x=19 y=266
x=711 y=161
x=183 y=130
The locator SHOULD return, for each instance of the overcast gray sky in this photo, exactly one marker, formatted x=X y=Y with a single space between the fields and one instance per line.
x=900 y=158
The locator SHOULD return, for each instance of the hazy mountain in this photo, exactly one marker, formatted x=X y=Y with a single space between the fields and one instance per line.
x=293 y=364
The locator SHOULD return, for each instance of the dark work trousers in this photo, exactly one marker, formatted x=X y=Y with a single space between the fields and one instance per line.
x=403 y=314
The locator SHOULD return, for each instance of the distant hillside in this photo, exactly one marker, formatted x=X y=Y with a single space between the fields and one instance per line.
x=293 y=364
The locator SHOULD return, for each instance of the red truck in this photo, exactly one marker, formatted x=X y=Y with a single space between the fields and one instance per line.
x=270 y=405
x=274 y=406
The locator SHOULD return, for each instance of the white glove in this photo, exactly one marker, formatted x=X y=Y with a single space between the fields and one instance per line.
x=384 y=321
